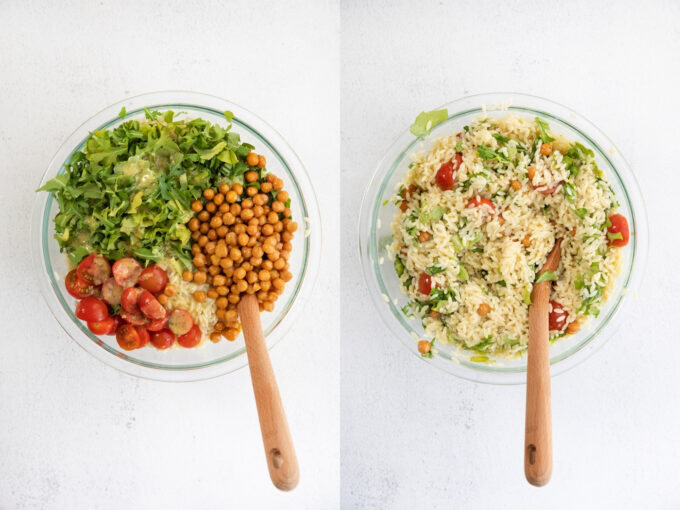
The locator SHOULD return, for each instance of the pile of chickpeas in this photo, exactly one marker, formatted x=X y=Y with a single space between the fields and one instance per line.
x=242 y=243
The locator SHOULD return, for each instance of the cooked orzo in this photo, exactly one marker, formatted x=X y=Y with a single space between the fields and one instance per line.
x=476 y=217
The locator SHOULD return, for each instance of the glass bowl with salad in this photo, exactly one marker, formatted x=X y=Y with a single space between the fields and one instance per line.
x=153 y=219
x=446 y=323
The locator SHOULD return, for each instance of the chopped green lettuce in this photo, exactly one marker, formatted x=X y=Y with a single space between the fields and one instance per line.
x=425 y=121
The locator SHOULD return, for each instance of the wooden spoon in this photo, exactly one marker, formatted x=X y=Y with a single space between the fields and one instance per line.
x=278 y=444
x=538 y=421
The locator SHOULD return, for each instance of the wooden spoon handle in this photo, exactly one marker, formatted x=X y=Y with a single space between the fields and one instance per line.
x=278 y=444
x=538 y=424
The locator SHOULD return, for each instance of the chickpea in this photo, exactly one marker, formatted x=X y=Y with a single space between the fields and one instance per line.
x=199 y=260
x=210 y=207
x=239 y=273
x=208 y=193
x=424 y=346
x=424 y=236
x=531 y=171
x=195 y=235
x=573 y=327
x=170 y=290
x=262 y=162
x=223 y=208
x=235 y=209
x=187 y=276
x=266 y=187
x=212 y=293
x=516 y=185
x=259 y=199
x=278 y=184
x=267 y=230
x=239 y=229
x=219 y=198
x=226 y=263
x=268 y=306
x=212 y=234
x=219 y=326
x=235 y=254
x=162 y=299
x=546 y=149
x=252 y=231
x=247 y=214
x=204 y=228
x=526 y=241
x=221 y=314
x=282 y=196
x=241 y=286
x=251 y=191
x=215 y=337
x=219 y=280
x=221 y=250
x=231 y=196
x=199 y=296
x=264 y=275
x=221 y=231
x=221 y=303
x=203 y=216
x=251 y=176
x=228 y=218
x=215 y=222
x=272 y=218
x=194 y=224
x=286 y=276
x=252 y=159
x=278 y=206
x=224 y=188
x=278 y=284
x=200 y=277
x=222 y=291
x=237 y=188
x=483 y=309
x=231 y=334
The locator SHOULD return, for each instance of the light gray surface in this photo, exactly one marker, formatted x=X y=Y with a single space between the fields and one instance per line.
x=76 y=433
x=413 y=437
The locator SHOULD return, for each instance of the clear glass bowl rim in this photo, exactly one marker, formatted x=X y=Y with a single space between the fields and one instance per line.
x=242 y=117
x=493 y=102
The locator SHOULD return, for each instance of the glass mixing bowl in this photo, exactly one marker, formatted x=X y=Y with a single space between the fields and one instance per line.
x=375 y=234
x=211 y=359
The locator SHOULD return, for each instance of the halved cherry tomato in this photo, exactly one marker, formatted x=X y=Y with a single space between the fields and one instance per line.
x=104 y=327
x=547 y=191
x=78 y=287
x=162 y=339
x=445 y=177
x=153 y=278
x=118 y=322
x=150 y=306
x=128 y=337
x=557 y=319
x=180 y=321
x=111 y=292
x=619 y=226
x=478 y=202
x=158 y=324
x=190 y=339
x=91 y=309
x=424 y=283
x=130 y=299
x=136 y=319
x=126 y=272
x=143 y=335
x=94 y=269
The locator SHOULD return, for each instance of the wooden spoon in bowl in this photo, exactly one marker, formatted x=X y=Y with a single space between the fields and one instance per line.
x=538 y=421
x=278 y=444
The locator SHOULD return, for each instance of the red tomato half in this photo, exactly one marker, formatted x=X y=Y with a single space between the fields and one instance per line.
x=180 y=322
x=479 y=202
x=91 y=309
x=94 y=269
x=153 y=278
x=77 y=287
x=162 y=339
x=446 y=175
x=150 y=306
x=126 y=272
x=118 y=322
x=190 y=339
x=424 y=284
x=557 y=319
x=112 y=292
x=105 y=327
x=618 y=234
x=129 y=299
x=143 y=335
x=128 y=337
x=136 y=319
x=158 y=324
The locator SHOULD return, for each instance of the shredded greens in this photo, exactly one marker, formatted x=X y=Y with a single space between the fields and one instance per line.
x=128 y=191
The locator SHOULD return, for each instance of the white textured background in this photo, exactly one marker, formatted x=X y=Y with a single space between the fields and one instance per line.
x=413 y=437
x=76 y=434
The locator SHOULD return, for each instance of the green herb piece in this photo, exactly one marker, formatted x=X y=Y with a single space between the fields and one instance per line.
x=526 y=295
x=488 y=154
x=459 y=146
x=569 y=191
x=229 y=116
x=425 y=121
x=543 y=128
x=579 y=282
x=612 y=237
x=532 y=151
x=398 y=266
x=457 y=243
x=435 y=214
x=502 y=140
x=510 y=341
x=122 y=113
x=546 y=276
x=470 y=243
x=479 y=359
x=502 y=283
x=484 y=343
x=407 y=311
x=463 y=274
x=581 y=213
x=432 y=270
